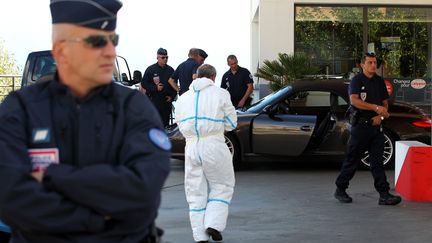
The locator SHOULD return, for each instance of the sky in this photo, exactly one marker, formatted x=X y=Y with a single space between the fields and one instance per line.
x=220 y=27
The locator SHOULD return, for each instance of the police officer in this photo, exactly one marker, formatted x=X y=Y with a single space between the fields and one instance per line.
x=185 y=72
x=83 y=159
x=239 y=83
x=155 y=80
x=369 y=101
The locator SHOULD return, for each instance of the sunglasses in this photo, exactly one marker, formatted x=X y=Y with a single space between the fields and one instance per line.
x=97 y=41
x=164 y=57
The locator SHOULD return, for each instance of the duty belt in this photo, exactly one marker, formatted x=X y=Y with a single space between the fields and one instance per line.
x=365 y=121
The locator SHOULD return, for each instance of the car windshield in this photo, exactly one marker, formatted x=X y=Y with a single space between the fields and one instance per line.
x=269 y=99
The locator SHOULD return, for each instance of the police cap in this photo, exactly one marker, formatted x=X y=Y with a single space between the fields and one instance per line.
x=202 y=53
x=95 y=14
x=162 y=51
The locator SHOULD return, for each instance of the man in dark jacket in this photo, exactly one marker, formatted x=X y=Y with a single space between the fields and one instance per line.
x=83 y=159
x=186 y=71
x=239 y=83
x=155 y=81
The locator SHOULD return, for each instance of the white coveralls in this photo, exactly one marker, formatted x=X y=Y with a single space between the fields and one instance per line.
x=203 y=113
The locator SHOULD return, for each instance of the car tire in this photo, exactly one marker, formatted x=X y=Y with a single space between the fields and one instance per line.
x=233 y=146
x=389 y=152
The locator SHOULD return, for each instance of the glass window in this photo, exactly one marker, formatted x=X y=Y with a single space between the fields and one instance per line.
x=311 y=99
x=331 y=36
x=399 y=37
x=44 y=65
x=335 y=37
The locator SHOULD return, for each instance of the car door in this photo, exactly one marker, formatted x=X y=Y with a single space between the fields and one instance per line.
x=281 y=134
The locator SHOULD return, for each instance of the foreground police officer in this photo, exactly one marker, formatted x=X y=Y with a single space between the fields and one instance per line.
x=83 y=159
x=368 y=96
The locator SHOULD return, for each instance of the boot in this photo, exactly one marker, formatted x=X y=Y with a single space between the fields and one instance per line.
x=342 y=196
x=388 y=199
x=215 y=235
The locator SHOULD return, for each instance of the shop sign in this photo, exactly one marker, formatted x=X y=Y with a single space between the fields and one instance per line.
x=403 y=83
x=418 y=84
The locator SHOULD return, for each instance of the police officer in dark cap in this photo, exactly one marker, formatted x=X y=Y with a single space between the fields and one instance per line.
x=155 y=81
x=369 y=105
x=83 y=159
x=202 y=55
x=186 y=71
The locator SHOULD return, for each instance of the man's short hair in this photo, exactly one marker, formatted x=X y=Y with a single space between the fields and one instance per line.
x=206 y=71
x=193 y=52
x=367 y=54
x=231 y=57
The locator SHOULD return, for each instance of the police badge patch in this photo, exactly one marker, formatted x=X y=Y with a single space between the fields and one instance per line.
x=363 y=96
x=160 y=139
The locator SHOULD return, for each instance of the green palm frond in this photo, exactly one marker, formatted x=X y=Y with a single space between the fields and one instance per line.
x=284 y=70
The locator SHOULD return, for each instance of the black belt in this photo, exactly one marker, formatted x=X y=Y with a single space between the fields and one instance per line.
x=365 y=121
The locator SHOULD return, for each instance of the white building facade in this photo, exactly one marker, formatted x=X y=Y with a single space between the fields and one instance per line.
x=334 y=34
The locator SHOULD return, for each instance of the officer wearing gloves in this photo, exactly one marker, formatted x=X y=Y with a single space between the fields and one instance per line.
x=83 y=159
x=203 y=113
x=369 y=104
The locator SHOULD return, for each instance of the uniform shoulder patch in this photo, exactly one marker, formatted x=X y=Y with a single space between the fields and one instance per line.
x=159 y=139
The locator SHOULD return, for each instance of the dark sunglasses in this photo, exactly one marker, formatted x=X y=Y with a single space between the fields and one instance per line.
x=164 y=57
x=97 y=41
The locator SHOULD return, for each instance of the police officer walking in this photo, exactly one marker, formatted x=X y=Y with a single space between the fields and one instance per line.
x=155 y=81
x=83 y=159
x=369 y=105
x=239 y=83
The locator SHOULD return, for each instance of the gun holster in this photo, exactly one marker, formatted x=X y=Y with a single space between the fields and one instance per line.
x=353 y=116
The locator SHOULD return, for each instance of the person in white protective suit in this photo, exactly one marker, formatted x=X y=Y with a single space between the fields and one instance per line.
x=203 y=113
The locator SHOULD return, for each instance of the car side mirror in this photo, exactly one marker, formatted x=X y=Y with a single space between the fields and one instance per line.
x=124 y=77
x=137 y=77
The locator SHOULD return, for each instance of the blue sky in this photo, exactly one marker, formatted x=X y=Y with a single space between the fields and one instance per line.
x=220 y=27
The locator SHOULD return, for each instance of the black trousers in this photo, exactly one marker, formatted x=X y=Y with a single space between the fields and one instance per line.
x=164 y=108
x=364 y=138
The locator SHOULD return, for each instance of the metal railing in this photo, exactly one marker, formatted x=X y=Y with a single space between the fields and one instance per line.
x=9 y=83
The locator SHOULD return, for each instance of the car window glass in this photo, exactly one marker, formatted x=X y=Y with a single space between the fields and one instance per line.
x=43 y=65
x=341 y=101
x=310 y=99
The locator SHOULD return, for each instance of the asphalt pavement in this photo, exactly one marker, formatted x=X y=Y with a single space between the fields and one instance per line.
x=280 y=202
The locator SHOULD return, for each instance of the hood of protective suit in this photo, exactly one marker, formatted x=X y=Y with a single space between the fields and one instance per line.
x=200 y=84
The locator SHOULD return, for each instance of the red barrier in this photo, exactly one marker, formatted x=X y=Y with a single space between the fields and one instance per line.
x=413 y=171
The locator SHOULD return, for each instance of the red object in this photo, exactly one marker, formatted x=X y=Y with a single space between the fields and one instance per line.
x=415 y=178
x=389 y=87
x=423 y=123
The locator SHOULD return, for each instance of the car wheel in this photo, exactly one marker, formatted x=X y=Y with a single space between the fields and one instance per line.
x=389 y=151
x=234 y=148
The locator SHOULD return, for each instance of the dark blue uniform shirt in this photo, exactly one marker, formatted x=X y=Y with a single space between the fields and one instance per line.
x=154 y=74
x=184 y=73
x=109 y=164
x=372 y=91
x=237 y=83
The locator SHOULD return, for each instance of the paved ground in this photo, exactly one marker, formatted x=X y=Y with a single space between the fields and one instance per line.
x=279 y=203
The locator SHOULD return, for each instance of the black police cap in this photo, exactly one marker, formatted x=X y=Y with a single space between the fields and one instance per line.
x=95 y=14
x=202 y=53
x=162 y=51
